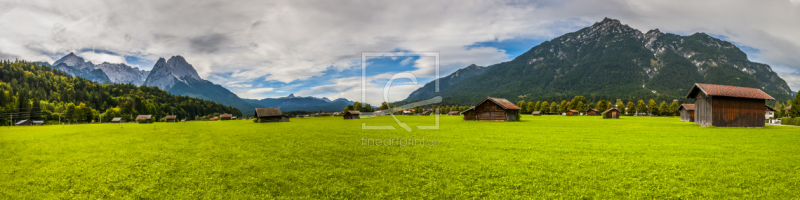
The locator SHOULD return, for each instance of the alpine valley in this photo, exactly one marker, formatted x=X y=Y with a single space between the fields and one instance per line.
x=177 y=76
x=610 y=60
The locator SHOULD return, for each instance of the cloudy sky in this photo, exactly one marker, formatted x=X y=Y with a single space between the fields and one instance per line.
x=261 y=49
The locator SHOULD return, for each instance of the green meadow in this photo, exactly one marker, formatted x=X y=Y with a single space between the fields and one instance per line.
x=326 y=157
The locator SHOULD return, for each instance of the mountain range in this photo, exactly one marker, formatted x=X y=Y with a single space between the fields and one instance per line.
x=177 y=76
x=296 y=103
x=610 y=60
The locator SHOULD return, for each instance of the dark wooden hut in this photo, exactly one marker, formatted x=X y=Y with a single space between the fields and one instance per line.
x=492 y=109
x=270 y=115
x=728 y=106
x=536 y=113
x=592 y=112
x=144 y=119
x=453 y=113
x=687 y=112
x=612 y=113
x=573 y=113
x=225 y=116
x=172 y=118
x=352 y=114
x=24 y=122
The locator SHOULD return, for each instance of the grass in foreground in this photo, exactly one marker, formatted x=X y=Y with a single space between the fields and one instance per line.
x=540 y=157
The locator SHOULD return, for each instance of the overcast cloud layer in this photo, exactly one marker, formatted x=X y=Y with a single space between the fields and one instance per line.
x=250 y=46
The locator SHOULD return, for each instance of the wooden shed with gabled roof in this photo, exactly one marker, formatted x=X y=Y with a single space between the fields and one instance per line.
x=536 y=113
x=225 y=116
x=728 y=106
x=117 y=120
x=612 y=113
x=592 y=112
x=144 y=119
x=492 y=109
x=172 y=118
x=572 y=113
x=687 y=112
x=352 y=114
x=270 y=115
x=453 y=113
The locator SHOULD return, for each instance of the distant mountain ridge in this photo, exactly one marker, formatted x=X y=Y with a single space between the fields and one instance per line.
x=310 y=104
x=610 y=60
x=429 y=89
x=177 y=76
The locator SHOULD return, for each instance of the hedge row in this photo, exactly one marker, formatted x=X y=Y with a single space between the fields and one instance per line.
x=790 y=121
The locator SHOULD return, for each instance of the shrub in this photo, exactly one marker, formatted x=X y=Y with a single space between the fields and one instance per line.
x=786 y=121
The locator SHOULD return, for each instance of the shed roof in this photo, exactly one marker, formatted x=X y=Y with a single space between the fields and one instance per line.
x=172 y=116
x=728 y=91
x=141 y=117
x=355 y=112
x=225 y=115
x=470 y=108
x=452 y=112
x=604 y=112
x=687 y=106
x=787 y=108
x=21 y=122
x=268 y=112
x=575 y=111
x=769 y=108
x=501 y=102
x=38 y=122
x=592 y=109
x=536 y=112
x=116 y=119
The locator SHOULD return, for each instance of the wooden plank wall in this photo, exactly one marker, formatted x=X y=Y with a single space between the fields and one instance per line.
x=702 y=110
x=738 y=112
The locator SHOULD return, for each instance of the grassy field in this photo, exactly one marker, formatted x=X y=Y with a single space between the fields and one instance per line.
x=326 y=157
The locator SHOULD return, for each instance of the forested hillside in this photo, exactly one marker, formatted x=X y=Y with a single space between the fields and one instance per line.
x=610 y=60
x=39 y=92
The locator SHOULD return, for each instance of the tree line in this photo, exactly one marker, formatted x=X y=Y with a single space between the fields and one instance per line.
x=38 y=92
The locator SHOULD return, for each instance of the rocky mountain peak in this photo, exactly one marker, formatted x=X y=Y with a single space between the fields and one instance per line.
x=71 y=60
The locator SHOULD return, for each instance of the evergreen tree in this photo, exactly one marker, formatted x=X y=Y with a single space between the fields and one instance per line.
x=522 y=106
x=544 y=107
x=641 y=107
x=580 y=106
x=652 y=107
x=563 y=106
x=673 y=108
x=631 y=108
x=553 y=107
x=532 y=107
x=664 y=108
x=795 y=110
x=601 y=105
x=620 y=105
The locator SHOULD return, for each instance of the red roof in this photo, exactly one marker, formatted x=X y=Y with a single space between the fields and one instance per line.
x=688 y=106
x=501 y=102
x=728 y=91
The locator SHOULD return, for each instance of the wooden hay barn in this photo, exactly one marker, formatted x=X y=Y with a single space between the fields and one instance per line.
x=270 y=115
x=144 y=119
x=427 y=112
x=225 y=116
x=592 y=112
x=573 y=113
x=453 y=113
x=536 y=113
x=352 y=114
x=24 y=122
x=612 y=113
x=492 y=109
x=687 y=112
x=172 y=118
x=728 y=106
x=117 y=120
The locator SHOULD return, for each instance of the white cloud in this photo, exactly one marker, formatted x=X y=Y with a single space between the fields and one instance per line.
x=98 y=58
x=286 y=40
